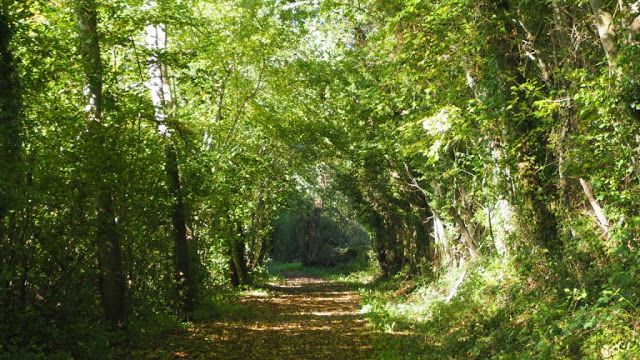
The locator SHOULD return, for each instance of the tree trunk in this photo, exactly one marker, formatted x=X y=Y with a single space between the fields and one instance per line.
x=314 y=229
x=262 y=253
x=239 y=261
x=466 y=235
x=509 y=74
x=12 y=248
x=112 y=281
x=238 y=258
x=302 y=238
x=440 y=239
x=385 y=242
x=606 y=31
x=233 y=273
x=379 y=244
x=609 y=34
x=180 y=239
x=631 y=21
x=257 y=241
x=263 y=242
x=602 y=219
x=163 y=104
x=439 y=231
x=10 y=107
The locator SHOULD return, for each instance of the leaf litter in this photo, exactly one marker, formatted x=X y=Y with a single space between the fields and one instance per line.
x=304 y=318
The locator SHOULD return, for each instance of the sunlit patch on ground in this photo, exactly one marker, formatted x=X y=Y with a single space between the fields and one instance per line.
x=257 y=293
x=305 y=318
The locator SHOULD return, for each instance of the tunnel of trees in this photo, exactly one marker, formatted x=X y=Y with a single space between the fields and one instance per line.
x=155 y=151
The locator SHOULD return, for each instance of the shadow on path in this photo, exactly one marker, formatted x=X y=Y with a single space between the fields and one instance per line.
x=305 y=318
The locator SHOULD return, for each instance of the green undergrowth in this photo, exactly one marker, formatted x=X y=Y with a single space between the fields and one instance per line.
x=356 y=273
x=152 y=327
x=535 y=307
x=215 y=303
x=498 y=313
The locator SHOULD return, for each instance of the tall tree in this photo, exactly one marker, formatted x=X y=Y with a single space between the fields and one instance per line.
x=12 y=253
x=112 y=281
x=156 y=38
x=10 y=105
x=614 y=32
x=309 y=242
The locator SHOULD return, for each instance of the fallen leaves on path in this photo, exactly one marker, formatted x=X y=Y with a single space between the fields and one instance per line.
x=305 y=318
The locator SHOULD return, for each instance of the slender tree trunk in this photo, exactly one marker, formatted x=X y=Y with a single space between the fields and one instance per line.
x=379 y=244
x=264 y=246
x=631 y=20
x=606 y=30
x=239 y=261
x=10 y=107
x=163 y=103
x=602 y=219
x=302 y=239
x=113 y=288
x=441 y=249
x=439 y=232
x=180 y=238
x=233 y=273
x=314 y=229
x=466 y=235
x=609 y=33
x=12 y=250
x=257 y=242
x=440 y=239
x=385 y=241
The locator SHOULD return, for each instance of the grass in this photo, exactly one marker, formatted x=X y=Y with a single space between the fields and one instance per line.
x=355 y=274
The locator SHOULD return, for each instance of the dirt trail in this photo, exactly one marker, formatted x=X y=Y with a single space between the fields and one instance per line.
x=306 y=318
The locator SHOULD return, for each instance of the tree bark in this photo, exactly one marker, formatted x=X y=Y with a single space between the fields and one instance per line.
x=385 y=241
x=606 y=31
x=440 y=239
x=161 y=95
x=262 y=253
x=237 y=251
x=112 y=281
x=314 y=229
x=12 y=248
x=302 y=238
x=466 y=235
x=10 y=122
x=257 y=242
x=602 y=219
x=239 y=261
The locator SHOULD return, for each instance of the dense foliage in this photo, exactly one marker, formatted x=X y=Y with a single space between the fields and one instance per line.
x=152 y=150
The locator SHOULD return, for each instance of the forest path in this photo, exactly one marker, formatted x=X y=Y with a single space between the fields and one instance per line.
x=305 y=318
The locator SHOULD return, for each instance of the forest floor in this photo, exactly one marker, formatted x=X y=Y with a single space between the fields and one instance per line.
x=304 y=317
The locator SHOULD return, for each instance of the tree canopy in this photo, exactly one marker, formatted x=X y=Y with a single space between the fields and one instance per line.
x=154 y=152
